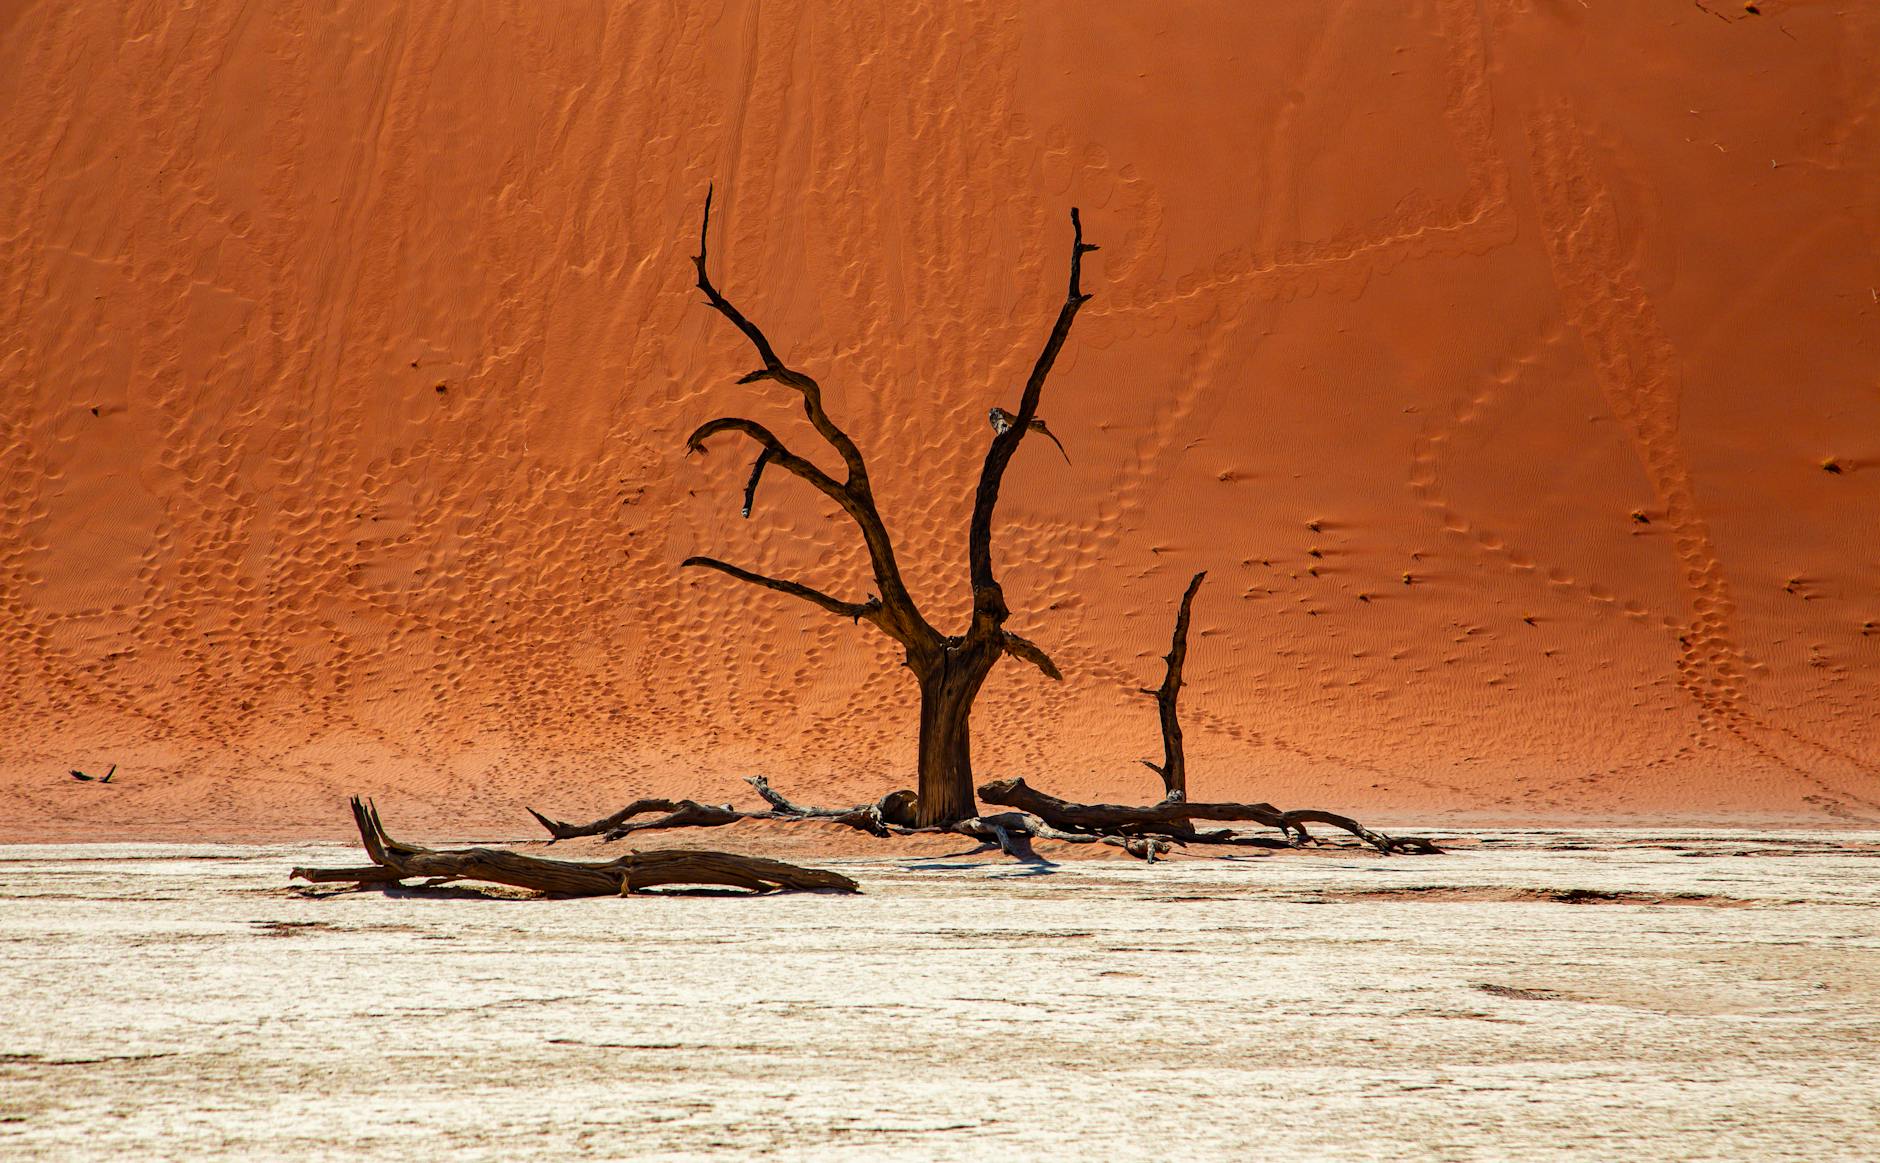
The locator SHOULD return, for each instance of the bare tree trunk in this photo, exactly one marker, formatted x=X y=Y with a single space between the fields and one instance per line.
x=947 y=691
x=1174 y=766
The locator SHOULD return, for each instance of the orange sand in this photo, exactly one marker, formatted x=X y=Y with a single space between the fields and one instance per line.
x=1487 y=352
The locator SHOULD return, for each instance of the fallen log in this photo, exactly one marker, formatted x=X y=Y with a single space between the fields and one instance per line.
x=1013 y=832
x=1173 y=818
x=394 y=860
x=679 y=814
x=892 y=811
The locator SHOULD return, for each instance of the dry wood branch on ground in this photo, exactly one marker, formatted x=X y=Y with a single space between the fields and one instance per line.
x=891 y=815
x=1174 y=819
x=394 y=861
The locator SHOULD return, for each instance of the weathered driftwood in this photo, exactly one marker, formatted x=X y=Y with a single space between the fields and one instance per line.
x=949 y=668
x=1013 y=832
x=680 y=814
x=893 y=810
x=393 y=860
x=1174 y=818
x=896 y=810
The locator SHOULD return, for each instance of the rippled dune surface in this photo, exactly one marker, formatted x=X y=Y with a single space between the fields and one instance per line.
x=1594 y=994
x=1509 y=365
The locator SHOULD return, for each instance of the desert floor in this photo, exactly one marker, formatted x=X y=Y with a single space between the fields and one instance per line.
x=1725 y=1004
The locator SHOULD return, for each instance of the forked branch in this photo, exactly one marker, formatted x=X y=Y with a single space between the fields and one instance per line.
x=774 y=368
x=900 y=619
x=989 y=609
x=774 y=451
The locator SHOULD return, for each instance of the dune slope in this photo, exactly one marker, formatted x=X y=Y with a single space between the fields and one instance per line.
x=1511 y=365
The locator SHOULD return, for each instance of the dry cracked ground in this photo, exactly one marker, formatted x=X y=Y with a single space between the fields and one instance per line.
x=1709 y=995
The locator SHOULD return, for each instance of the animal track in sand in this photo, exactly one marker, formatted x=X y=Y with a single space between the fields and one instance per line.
x=1429 y=463
x=1638 y=371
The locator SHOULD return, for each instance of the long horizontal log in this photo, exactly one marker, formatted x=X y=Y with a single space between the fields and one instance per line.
x=1014 y=831
x=1168 y=818
x=1172 y=818
x=394 y=860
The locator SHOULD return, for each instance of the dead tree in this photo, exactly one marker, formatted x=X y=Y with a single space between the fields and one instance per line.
x=1174 y=766
x=1145 y=832
x=394 y=861
x=950 y=668
x=1175 y=815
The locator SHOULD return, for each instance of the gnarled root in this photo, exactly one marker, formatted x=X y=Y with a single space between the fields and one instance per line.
x=393 y=860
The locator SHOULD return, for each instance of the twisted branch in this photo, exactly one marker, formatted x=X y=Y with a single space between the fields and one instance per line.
x=900 y=619
x=782 y=456
x=774 y=368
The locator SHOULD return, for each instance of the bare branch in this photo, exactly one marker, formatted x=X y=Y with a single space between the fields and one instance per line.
x=1024 y=648
x=765 y=352
x=989 y=608
x=757 y=474
x=856 y=496
x=781 y=456
x=856 y=610
x=774 y=368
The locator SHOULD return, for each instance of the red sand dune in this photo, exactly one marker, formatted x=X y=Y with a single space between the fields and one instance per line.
x=1487 y=352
